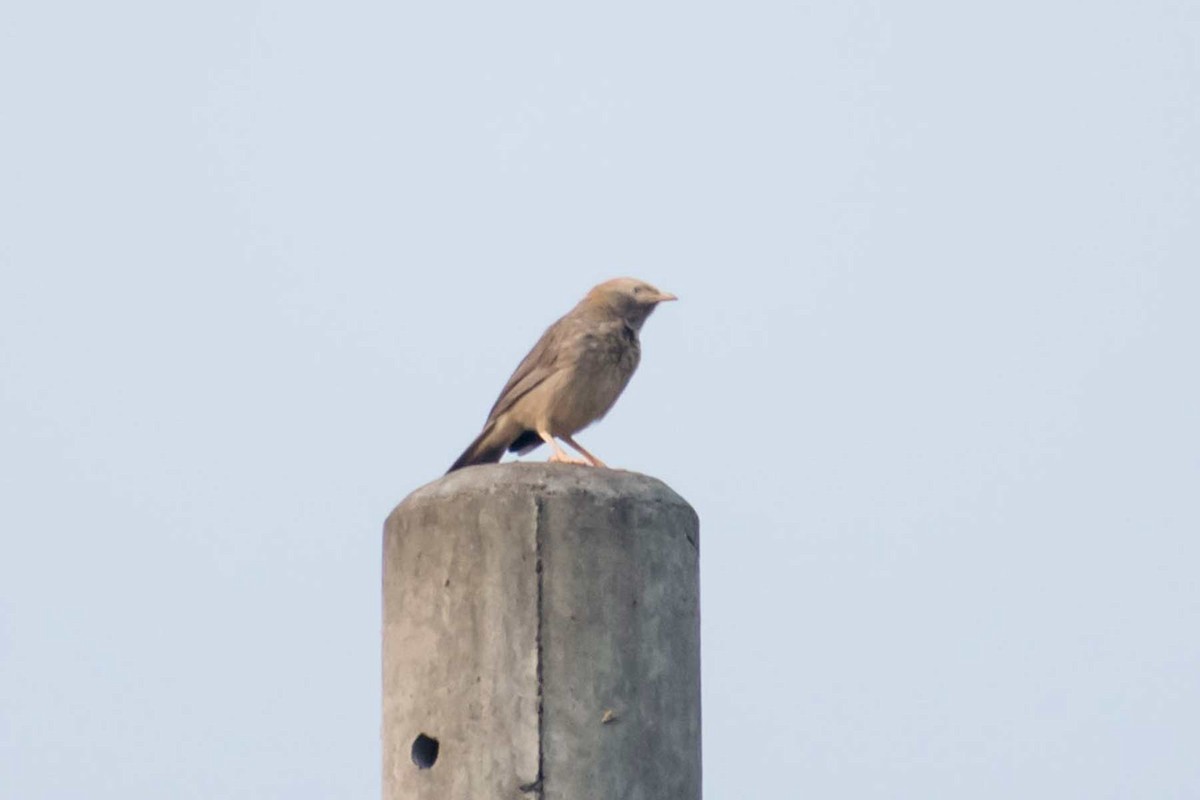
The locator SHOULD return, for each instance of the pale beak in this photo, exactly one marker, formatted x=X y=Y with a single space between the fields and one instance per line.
x=664 y=297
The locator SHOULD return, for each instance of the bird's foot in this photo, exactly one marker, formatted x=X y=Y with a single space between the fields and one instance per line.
x=562 y=458
x=591 y=459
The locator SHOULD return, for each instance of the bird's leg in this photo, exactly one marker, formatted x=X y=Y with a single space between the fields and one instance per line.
x=558 y=456
x=595 y=462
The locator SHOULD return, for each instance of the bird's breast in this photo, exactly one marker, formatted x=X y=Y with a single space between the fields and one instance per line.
x=604 y=364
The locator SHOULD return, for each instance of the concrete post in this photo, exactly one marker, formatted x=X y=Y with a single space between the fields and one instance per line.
x=541 y=638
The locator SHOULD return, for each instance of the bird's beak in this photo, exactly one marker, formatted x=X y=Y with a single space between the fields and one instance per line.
x=664 y=297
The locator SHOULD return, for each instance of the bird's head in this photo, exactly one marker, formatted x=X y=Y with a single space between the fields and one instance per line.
x=628 y=298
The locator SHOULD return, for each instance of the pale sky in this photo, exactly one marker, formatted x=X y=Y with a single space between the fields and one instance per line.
x=931 y=384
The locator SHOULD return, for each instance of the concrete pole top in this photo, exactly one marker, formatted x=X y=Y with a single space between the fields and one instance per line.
x=541 y=638
x=543 y=479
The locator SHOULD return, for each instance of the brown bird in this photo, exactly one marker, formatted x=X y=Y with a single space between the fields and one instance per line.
x=571 y=377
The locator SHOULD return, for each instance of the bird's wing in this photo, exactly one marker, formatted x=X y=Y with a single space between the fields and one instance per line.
x=546 y=358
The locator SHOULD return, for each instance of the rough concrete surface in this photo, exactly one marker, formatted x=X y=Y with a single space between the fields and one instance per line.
x=541 y=621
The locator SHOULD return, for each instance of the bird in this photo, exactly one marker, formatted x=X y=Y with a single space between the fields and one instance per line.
x=571 y=377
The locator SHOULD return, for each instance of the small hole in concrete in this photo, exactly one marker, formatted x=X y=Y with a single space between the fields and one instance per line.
x=424 y=751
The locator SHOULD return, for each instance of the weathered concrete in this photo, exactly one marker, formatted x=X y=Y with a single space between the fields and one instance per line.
x=542 y=623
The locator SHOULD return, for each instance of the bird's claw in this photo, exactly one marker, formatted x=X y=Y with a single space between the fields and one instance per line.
x=563 y=458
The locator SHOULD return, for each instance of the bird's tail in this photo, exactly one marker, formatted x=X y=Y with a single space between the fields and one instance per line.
x=486 y=449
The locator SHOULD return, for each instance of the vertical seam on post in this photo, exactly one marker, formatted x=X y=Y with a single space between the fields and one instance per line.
x=541 y=657
x=538 y=784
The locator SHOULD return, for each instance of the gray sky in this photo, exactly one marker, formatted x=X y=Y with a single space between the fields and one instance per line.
x=931 y=384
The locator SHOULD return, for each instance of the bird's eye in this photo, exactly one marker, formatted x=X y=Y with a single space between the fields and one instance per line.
x=637 y=290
